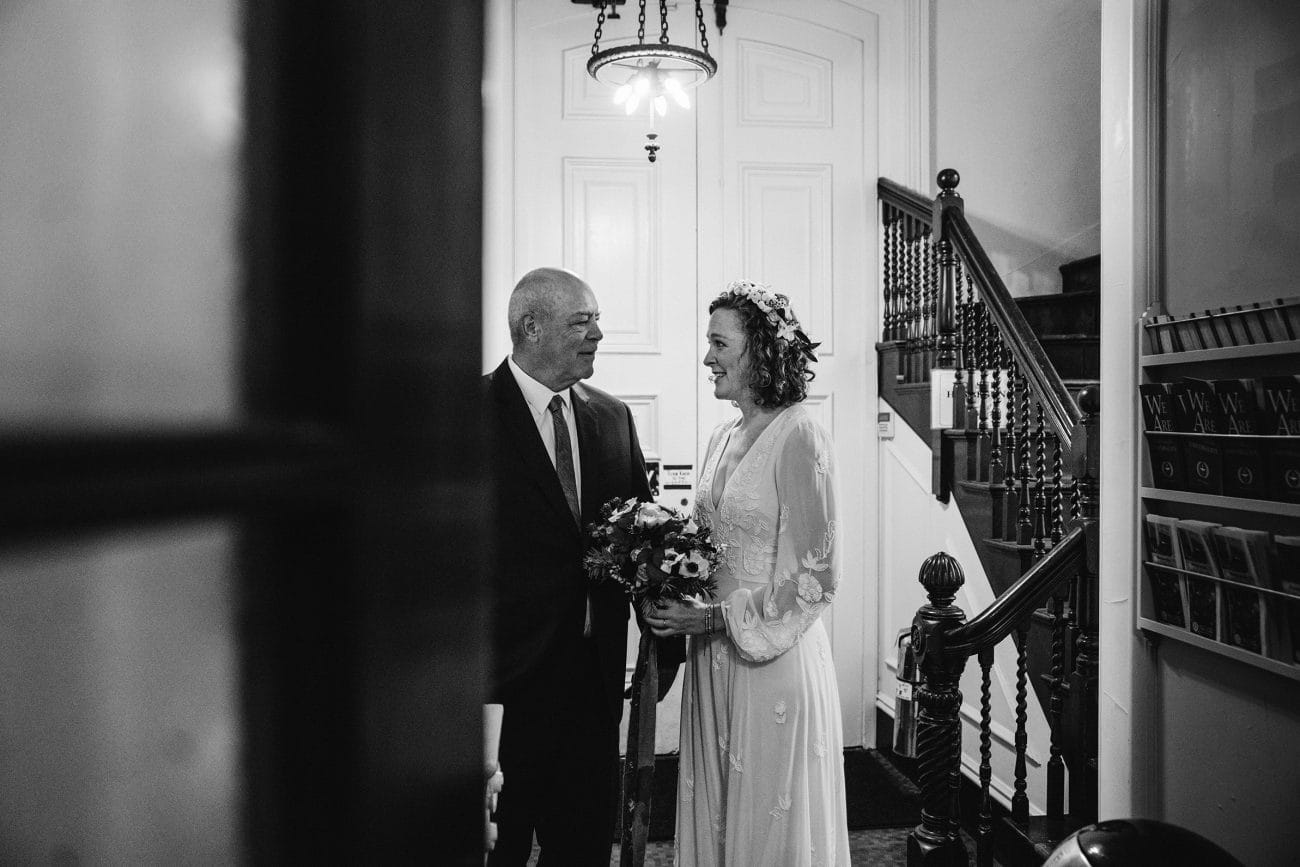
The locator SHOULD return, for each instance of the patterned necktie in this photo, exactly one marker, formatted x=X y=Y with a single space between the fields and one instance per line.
x=564 y=457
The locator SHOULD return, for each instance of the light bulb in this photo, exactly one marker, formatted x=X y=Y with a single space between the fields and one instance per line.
x=674 y=88
x=642 y=84
x=621 y=95
x=661 y=105
x=633 y=101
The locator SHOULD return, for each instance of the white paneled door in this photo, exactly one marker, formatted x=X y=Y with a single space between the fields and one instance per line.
x=790 y=163
x=769 y=176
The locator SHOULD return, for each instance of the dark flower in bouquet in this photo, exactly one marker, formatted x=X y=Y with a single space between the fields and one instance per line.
x=679 y=555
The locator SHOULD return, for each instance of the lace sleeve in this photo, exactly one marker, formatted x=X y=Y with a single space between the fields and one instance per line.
x=767 y=622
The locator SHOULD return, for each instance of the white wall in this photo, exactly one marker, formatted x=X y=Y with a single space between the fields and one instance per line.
x=1187 y=736
x=1014 y=109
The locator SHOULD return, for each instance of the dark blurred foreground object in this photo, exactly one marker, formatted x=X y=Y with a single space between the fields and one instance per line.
x=1137 y=843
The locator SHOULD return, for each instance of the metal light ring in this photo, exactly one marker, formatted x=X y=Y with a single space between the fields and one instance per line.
x=691 y=57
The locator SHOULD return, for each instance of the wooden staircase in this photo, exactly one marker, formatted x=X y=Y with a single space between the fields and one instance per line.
x=1020 y=461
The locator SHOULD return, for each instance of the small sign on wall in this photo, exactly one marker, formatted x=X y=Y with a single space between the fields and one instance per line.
x=942 y=383
x=885 y=425
x=678 y=480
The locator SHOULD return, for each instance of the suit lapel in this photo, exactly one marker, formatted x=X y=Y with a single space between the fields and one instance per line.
x=520 y=430
x=588 y=441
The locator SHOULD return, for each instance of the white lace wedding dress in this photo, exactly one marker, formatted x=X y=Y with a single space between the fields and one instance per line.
x=762 y=773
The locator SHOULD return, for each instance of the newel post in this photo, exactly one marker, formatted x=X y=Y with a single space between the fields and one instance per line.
x=1089 y=485
x=948 y=340
x=936 y=842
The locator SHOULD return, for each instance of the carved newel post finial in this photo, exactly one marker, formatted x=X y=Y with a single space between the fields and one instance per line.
x=935 y=842
x=948 y=180
x=942 y=577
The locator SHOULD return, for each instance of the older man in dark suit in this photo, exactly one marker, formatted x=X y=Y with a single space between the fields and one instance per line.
x=561 y=449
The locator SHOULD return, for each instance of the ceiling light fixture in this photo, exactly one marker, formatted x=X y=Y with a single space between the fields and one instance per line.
x=650 y=74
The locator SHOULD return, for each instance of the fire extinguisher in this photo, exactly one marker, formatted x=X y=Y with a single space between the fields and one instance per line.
x=909 y=681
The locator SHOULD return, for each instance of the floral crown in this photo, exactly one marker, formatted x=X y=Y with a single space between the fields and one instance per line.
x=777 y=309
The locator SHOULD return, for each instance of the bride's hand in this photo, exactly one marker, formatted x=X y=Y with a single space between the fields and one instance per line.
x=686 y=617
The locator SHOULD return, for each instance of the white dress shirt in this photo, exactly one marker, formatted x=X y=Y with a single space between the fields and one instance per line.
x=538 y=397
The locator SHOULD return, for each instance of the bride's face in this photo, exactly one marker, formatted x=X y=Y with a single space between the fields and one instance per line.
x=726 y=357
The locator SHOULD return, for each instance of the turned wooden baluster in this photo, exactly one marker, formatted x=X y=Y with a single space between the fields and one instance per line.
x=889 y=221
x=920 y=247
x=899 y=268
x=1055 y=764
x=1058 y=502
x=959 y=340
x=1020 y=800
x=916 y=249
x=1040 y=483
x=984 y=834
x=1024 y=515
x=986 y=348
x=906 y=323
x=973 y=333
x=1009 y=451
x=936 y=841
x=930 y=282
x=995 y=410
x=920 y=369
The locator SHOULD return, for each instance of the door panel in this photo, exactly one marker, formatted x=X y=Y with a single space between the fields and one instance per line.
x=793 y=162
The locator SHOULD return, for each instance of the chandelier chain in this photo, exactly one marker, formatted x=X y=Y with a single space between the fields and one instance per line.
x=600 y=27
x=640 y=23
x=699 y=18
x=663 y=22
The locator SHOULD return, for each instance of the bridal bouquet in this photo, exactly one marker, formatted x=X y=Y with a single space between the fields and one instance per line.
x=679 y=555
x=655 y=554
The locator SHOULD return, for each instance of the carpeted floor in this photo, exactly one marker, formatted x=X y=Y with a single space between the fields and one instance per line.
x=873 y=847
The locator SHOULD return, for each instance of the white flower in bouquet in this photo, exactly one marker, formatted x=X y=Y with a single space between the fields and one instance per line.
x=652 y=515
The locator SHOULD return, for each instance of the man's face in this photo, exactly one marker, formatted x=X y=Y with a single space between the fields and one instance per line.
x=568 y=338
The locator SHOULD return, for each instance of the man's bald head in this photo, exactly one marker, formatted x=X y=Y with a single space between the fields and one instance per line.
x=554 y=326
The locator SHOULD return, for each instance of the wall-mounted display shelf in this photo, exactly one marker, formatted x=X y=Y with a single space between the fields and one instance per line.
x=1241 y=504
x=1220 y=489
x=1222 y=353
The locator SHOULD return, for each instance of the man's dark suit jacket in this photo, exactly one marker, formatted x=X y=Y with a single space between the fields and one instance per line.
x=540 y=587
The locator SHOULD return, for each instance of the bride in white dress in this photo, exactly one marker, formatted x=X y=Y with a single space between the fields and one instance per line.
x=762 y=775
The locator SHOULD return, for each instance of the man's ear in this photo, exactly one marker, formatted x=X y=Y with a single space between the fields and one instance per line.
x=531 y=327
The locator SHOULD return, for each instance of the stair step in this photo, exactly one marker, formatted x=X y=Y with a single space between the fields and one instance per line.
x=1075 y=356
x=1059 y=312
x=1081 y=275
x=1009 y=547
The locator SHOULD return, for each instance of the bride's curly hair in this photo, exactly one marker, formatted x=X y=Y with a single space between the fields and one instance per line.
x=779 y=373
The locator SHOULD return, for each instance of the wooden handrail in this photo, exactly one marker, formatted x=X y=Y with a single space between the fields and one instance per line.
x=1060 y=410
x=908 y=201
x=1030 y=591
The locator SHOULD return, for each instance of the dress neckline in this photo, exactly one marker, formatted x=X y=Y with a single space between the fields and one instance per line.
x=716 y=502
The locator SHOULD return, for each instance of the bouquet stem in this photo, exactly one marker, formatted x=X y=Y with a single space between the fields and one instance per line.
x=639 y=763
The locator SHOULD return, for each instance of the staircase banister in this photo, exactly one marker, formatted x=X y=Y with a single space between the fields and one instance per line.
x=996 y=622
x=908 y=201
x=1059 y=407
